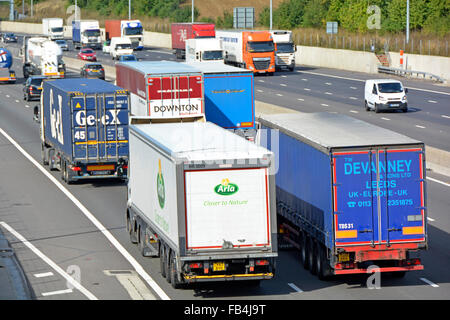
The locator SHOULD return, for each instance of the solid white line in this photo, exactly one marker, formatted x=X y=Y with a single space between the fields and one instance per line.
x=293 y=286
x=47 y=260
x=434 y=285
x=139 y=269
x=439 y=181
x=421 y=127
x=52 y=293
x=43 y=275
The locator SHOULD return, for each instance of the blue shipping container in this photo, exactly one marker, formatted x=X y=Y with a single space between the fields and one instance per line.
x=85 y=120
x=347 y=183
x=229 y=95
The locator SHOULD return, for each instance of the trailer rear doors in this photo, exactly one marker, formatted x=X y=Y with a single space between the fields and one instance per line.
x=379 y=196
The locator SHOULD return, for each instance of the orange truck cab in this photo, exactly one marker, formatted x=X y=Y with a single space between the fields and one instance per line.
x=253 y=50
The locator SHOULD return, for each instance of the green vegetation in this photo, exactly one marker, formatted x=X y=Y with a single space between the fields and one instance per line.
x=430 y=16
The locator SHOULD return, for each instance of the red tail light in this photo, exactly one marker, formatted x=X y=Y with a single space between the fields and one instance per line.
x=31 y=89
x=75 y=168
x=125 y=166
x=195 y=265
x=262 y=262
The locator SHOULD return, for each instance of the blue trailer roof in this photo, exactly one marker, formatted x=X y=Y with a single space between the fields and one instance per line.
x=85 y=85
x=160 y=67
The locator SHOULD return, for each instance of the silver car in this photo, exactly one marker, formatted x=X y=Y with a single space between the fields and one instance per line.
x=62 y=44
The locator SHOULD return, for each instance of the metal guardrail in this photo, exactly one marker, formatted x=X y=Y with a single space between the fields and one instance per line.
x=403 y=72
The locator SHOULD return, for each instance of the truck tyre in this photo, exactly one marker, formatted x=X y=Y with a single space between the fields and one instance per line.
x=167 y=264
x=51 y=159
x=304 y=251
x=176 y=284
x=130 y=230
x=323 y=267
x=44 y=155
x=141 y=241
x=312 y=256
x=162 y=263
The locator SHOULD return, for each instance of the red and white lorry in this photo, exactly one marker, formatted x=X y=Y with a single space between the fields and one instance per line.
x=183 y=31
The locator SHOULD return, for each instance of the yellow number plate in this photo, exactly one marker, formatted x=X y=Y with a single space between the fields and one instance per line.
x=218 y=266
x=343 y=257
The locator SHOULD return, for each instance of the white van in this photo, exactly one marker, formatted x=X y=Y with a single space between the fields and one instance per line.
x=120 y=46
x=385 y=94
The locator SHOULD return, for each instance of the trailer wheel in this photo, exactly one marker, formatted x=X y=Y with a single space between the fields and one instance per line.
x=51 y=159
x=141 y=241
x=312 y=256
x=44 y=155
x=323 y=266
x=304 y=251
x=176 y=284
x=167 y=264
x=130 y=230
x=162 y=263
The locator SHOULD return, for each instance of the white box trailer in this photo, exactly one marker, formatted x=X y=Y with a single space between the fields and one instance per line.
x=203 y=200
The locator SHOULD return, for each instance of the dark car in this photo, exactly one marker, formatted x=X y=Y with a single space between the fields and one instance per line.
x=62 y=44
x=93 y=70
x=9 y=37
x=32 y=88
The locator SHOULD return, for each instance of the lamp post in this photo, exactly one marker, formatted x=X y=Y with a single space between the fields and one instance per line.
x=407 y=21
x=192 y=11
x=270 y=15
x=129 y=9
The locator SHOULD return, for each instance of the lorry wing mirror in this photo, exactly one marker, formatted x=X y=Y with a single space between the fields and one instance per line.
x=36 y=113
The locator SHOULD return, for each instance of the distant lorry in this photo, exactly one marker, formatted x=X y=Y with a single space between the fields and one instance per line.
x=350 y=195
x=53 y=28
x=6 y=61
x=202 y=199
x=229 y=97
x=284 y=49
x=183 y=31
x=41 y=56
x=253 y=50
x=163 y=90
x=131 y=29
x=120 y=46
x=204 y=50
x=86 y=33
x=84 y=128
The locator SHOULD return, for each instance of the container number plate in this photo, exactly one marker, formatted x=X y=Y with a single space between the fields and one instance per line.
x=343 y=257
x=218 y=266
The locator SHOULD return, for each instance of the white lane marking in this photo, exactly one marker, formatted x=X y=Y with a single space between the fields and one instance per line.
x=353 y=98
x=293 y=286
x=300 y=99
x=432 y=101
x=324 y=104
x=7 y=95
x=387 y=119
x=261 y=80
x=139 y=269
x=360 y=80
x=52 y=293
x=130 y=280
x=17 y=101
x=328 y=83
x=444 y=116
x=27 y=106
x=421 y=127
x=47 y=260
x=284 y=76
x=303 y=79
x=354 y=88
x=283 y=85
x=439 y=181
x=434 y=285
x=306 y=89
x=279 y=94
x=431 y=219
x=354 y=111
x=43 y=275
x=259 y=90
x=329 y=93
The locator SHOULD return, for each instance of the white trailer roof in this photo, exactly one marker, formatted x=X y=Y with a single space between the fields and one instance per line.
x=199 y=141
x=215 y=67
x=325 y=130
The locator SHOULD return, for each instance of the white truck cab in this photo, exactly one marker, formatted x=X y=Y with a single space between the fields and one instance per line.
x=284 y=49
x=385 y=94
x=120 y=46
x=207 y=49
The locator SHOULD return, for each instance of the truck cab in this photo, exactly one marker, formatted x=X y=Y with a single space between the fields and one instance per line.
x=53 y=28
x=120 y=46
x=208 y=50
x=133 y=30
x=385 y=94
x=284 y=49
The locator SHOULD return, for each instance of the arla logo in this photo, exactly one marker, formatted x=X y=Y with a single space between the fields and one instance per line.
x=226 y=188
x=160 y=187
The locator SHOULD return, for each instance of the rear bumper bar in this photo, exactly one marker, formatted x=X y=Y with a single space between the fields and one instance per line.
x=380 y=269
x=233 y=277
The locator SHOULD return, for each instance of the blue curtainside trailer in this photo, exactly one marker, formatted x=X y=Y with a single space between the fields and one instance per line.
x=350 y=195
x=84 y=128
x=229 y=97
